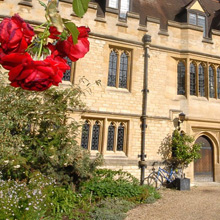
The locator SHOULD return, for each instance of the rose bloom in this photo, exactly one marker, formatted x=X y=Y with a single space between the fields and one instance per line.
x=34 y=75
x=15 y=34
x=67 y=47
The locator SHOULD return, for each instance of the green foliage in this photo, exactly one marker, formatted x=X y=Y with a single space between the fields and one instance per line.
x=80 y=7
x=178 y=150
x=111 y=209
x=40 y=198
x=37 y=133
x=153 y=195
x=109 y=183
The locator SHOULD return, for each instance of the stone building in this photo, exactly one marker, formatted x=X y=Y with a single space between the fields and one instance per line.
x=155 y=59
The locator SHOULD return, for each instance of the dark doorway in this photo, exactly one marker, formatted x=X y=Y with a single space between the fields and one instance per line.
x=203 y=167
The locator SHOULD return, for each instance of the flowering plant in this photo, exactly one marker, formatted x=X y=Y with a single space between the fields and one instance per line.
x=32 y=61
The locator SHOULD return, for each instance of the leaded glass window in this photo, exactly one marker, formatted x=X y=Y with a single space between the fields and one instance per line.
x=211 y=83
x=120 y=139
x=85 y=135
x=201 y=81
x=95 y=136
x=112 y=69
x=192 y=79
x=198 y=20
x=123 y=70
x=192 y=18
x=124 y=8
x=67 y=74
x=181 y=78
x=218 y=83
x=111 y=136
x=113 y=3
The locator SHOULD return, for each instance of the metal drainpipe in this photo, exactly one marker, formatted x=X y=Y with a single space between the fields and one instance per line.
x=142 y=163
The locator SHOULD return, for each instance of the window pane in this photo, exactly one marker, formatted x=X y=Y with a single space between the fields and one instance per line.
x=192 y=79
x=67 y=74
x=113 y=3
x=218 y=83
x=201 y=23
x=201 y=81
x=192 y=18
x=120 y=140
x=123 y=71
x=111 y=135
x=181 y=79
x=95 y=136
x=85 y=135
x=124 y=8
x=112 y=69
x=211 y=83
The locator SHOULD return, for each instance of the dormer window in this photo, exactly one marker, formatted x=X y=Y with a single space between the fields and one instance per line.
x=198 y=20
x=122 y=5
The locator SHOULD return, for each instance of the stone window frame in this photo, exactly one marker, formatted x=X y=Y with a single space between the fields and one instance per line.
x=206 y=65
x=71 y=72
x=198 y=13
x=103 y=135
x=181 y=82
x=214 y=86
x=122 y=16
x=119 y=51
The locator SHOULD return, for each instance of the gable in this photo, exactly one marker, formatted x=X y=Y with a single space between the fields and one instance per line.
x=197 y=6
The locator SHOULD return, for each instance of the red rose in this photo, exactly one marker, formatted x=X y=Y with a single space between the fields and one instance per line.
x=35 y=75
x=15 y=34
x=54 y=33
x=67 y=48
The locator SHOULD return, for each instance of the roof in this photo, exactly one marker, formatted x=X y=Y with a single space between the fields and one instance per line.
x=170 y=10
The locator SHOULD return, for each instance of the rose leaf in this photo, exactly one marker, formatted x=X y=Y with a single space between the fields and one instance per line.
x=80 y=7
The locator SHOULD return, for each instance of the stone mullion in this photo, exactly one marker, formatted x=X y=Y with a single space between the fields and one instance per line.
x=100 y=136
x=118 y=69
x=125 y=138
x=187 y=79
x=90 y=135
x=197 y=79
x=129 y=71
x=215 y=78
x=116 y=137
x=104 y=136
x=207 y=88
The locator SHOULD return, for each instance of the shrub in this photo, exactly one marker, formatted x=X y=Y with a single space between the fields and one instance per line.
x=109 y=183
x=40 y=198
x=37 y=133
x=111 y=209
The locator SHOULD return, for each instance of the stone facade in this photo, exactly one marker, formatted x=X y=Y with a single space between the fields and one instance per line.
x=180 y=41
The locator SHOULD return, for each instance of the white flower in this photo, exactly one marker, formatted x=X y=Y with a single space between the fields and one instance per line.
x=6 y=161
x=51 y=157
x=17 y=166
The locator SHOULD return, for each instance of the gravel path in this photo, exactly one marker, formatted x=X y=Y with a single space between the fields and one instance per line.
x=202 y=202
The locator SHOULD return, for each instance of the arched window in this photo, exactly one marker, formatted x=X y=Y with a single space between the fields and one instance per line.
x=181 y=78
x=123 y=70
x=211 y=83
x=85 y=135
x=218 y=83
x=192 y=79
x=120 y=139
x=112 y=72
x=201 y=81
x=111 y=137
x=95 y=136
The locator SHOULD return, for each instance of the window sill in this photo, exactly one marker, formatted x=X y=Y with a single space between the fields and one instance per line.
x=112 y=154
x=114 y=89
x=199 y=98
x=207 y=40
